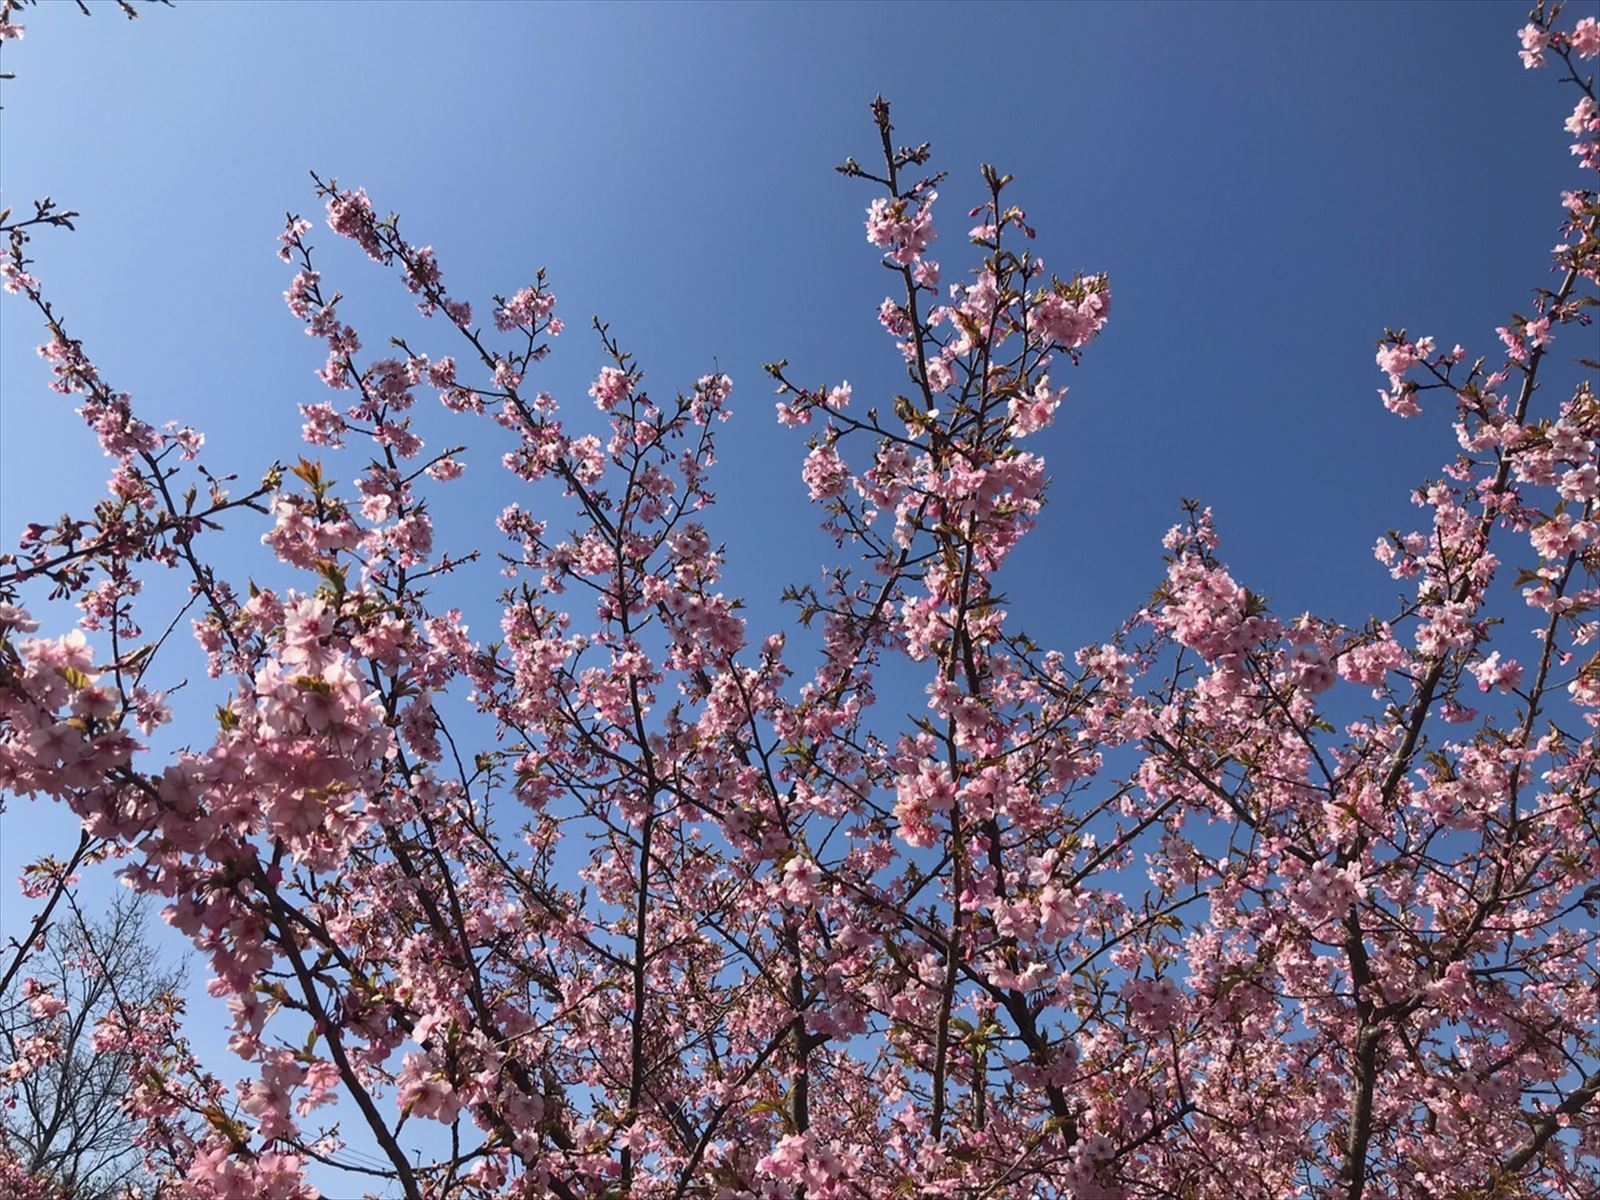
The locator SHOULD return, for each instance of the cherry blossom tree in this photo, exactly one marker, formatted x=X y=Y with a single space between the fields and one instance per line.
x=631 y=899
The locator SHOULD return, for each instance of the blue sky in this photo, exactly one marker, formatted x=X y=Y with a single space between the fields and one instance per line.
x=1267 y=185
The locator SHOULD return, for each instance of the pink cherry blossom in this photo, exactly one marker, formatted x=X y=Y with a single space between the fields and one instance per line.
x=603 y=884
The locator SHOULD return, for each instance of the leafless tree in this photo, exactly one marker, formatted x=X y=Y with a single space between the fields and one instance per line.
x=68 y=1122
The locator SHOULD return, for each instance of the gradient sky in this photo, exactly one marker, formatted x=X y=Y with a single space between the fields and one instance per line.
x=1267 y=185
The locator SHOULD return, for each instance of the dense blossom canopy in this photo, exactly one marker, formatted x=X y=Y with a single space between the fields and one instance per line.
x=629 y=898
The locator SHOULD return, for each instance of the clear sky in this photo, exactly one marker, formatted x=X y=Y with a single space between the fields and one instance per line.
x=1267 y=185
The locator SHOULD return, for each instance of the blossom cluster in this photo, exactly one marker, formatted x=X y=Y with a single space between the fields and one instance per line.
x=633 y=898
